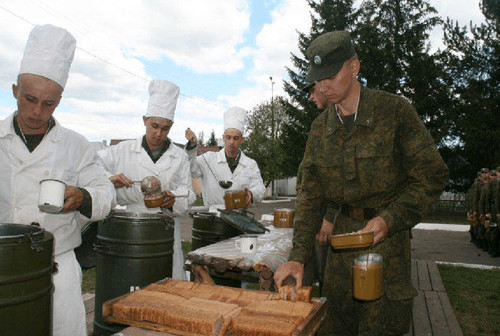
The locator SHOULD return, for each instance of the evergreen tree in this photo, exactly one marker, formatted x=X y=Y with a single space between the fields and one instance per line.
x=212 y=141
x=472 y=57
x=393 y=46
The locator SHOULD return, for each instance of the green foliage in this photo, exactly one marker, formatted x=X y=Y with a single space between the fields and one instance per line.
x=455 y=91
x=261 y=145
x=472 y=72
x=212 y=141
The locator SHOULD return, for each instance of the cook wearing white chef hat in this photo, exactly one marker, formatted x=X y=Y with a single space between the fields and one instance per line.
x=234 y=128
x=35 y=146
x=230 y=164
x=42 y=76
x=154 y=154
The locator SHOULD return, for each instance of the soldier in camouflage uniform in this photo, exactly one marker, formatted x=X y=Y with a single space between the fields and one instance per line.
x=469 y=208
x=369 y=157
x=491 y=213
x=482 y=227
x=476 y=212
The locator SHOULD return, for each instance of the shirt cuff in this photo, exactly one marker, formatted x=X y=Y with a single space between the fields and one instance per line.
x=86 y=207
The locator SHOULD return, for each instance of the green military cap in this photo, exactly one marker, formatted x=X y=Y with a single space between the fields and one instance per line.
x=327 y=53
x=485 y=170
x=308 y=86
x=493 y=173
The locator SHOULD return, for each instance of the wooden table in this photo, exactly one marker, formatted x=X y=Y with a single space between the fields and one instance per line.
x=224 y=259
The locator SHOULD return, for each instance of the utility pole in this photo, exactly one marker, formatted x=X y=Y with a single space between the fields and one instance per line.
x=272 y=130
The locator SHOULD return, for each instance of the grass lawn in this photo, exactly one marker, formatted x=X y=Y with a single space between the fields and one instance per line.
x=475 y=297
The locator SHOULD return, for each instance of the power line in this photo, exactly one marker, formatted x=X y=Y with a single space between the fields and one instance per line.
x=87 y=30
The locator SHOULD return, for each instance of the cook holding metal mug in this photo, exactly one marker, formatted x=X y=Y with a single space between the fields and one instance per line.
x=227 y=169
x=35 y=147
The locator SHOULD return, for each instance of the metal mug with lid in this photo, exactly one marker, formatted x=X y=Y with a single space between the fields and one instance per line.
x=367 y=277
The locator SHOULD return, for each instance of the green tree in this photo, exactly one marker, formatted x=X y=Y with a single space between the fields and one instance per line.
x=392 y=42
x=260 y=144
x=472 y=57
x=201 y=139
x=212 y=141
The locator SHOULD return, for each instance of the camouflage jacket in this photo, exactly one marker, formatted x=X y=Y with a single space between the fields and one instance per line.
x=389 y=161
x=476 y=195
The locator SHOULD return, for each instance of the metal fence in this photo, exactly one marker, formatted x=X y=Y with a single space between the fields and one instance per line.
x=449 y=207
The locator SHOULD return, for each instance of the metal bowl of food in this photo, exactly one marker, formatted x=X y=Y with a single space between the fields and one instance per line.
x=154 y=201
x=352 y=240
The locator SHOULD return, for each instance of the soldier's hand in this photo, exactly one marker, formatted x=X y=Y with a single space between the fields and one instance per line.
x=190 y=136
x=325 y=232
x=290 y=268
x=379 y=227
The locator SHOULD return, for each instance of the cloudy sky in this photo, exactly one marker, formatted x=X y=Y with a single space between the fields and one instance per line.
x=221 y=53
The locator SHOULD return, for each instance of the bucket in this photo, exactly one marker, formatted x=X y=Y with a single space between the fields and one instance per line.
x=368 y=278
x=26 y=266
x=209 y=229
x=283 y=218
x=85 y=253
x=235 y=199
x=133 y=250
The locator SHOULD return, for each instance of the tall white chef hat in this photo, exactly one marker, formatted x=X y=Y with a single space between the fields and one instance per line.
x=49 y=52
x=235 y=117
x=163 y=97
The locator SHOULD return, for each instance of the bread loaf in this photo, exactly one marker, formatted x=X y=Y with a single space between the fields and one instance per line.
x=198 y=309
x=251 y=323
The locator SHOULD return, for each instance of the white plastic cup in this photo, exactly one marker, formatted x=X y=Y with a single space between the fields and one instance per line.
x=51 y=199
x=248 y=243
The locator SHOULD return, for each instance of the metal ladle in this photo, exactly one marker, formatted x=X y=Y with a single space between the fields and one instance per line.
x=225 y=184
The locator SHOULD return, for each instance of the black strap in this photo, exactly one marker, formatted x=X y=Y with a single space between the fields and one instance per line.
x=368 y=213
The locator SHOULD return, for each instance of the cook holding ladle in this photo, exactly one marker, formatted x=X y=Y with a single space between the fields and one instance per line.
x=227 y=169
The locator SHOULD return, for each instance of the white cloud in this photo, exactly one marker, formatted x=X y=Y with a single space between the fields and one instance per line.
x=106 y=94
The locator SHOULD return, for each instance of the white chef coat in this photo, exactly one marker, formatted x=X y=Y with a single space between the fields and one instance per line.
x=63 y=155
x=246 y=175
x=172 y=169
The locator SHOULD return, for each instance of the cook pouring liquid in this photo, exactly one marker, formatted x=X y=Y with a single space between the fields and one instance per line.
x=367 y=277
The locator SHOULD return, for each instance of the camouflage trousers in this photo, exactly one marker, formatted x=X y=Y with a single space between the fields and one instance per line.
x=350 y=317
x=388 y=315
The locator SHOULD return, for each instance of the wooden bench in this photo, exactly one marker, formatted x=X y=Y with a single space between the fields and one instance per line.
x=432 y=311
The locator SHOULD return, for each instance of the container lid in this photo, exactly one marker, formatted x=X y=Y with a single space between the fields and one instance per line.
x=242 y=220
x=234 y=191
x=18 y=231
x=352 y=240
x=370 y=258
x=137 y=215
x=284 y=210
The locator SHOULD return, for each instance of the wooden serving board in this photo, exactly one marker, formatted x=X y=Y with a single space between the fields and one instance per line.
x=307 y=327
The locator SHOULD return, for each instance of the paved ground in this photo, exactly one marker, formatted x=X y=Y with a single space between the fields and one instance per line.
x=427 y=244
